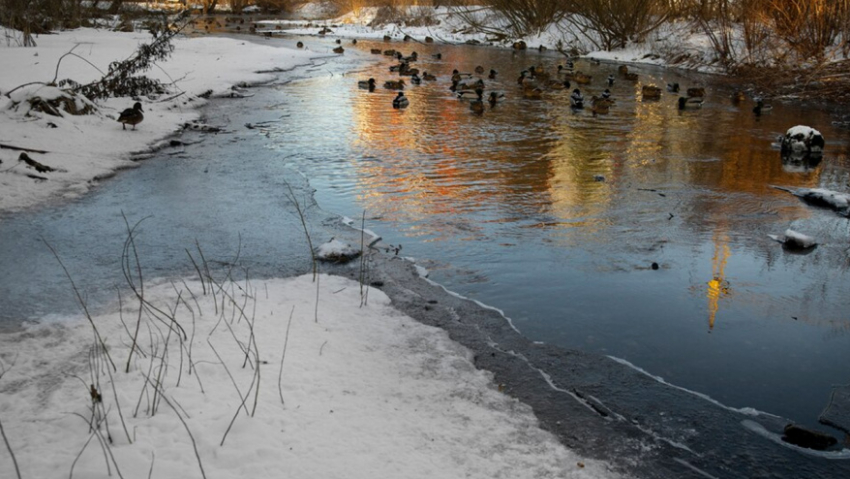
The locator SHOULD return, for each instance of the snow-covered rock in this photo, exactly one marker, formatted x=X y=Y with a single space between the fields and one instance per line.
x=794 y=240
x=336 y=251
x=835 y=200
x=800 y=141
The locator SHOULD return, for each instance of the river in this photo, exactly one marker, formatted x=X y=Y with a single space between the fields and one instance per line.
x=553 y=215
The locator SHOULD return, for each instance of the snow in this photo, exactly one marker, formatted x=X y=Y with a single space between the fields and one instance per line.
x=347 y=386
x=355 y=390
x=89 y=147
x=337 y=251
x=795 y=240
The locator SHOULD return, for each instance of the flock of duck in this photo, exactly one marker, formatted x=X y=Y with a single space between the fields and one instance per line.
x=533 y=82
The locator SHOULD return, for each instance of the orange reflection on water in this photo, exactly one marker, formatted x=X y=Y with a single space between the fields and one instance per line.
x=718 y=287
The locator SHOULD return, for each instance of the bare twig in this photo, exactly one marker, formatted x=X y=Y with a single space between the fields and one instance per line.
x=11 y=453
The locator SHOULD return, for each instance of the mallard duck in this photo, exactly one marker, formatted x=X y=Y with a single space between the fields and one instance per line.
x=494 y=98
x=338 y=41
x=696 y=92
x=673 y=87
x=606 y=95
x=354 y=41
x=339 y=50
x=400 y=101
x=131 y=116
x=600 y=108
x=761 y=107
x=576 y=100
x=623 y=70
x=438 y=56
x=522 y=76
x=376 y=51
x=387 y=38
x=558 y=84
x=428 y=77
x=300 y=44
x=367 y=84
x=415 y=79
x=631 y=77
x=690 y=103
x=492 y=75
x=738 y=97
x=610 y=80
x=407 y=71
x=477 y=106
x=398 y=67
x=389 y=53
x=479 y=70
x=595 y=100
x=650 y=92
x=582 y=79
x=412 y=57
x=532 y=93
x=394 y=84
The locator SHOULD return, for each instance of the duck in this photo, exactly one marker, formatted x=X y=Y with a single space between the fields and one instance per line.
x=522 y=76
x=738 y=97
x=479 y=70
x=532 y=93
x=761 y=107
x=411 y=58
x=696 y=92
x=400 y=101
x=438 y=56
x=415 y=79
x=376 y=51
x=131 y=116
x=428 y=77
x=623 y=70
x=479 y=93
x=477 y=106
x=686 y=103
x=601 y=101
x=389 y=53
x=300 y=44
x=558 y=84
x=354 y=41
x=606 y=95
x=581 y=78
x=673 y=87
x=494 y=98
x=631 y=77
x=610 y=80
x=492 y=75
x=394 y=84
x=600 y=108
x=339 y=50
x=576 y=100
x=367 y=84
x=650 y=92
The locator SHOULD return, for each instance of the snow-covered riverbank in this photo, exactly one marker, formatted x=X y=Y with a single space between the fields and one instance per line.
x=86 y=148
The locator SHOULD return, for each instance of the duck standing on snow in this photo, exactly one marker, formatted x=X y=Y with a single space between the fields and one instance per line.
x=131 y=116
x=610 y=80
x=400 y=101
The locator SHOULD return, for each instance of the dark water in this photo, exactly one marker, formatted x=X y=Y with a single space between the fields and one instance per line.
x=505 y=207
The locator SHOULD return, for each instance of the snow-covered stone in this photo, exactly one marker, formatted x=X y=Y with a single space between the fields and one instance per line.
x=795 y=240
x=336 y=251
x=802 y=141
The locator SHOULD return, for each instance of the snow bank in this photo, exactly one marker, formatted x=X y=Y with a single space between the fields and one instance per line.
x=350 y=392
x=85 y=148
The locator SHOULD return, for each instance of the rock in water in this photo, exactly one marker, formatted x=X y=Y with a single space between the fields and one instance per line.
x=794 y=240
x=802 y=141
x=800 y=436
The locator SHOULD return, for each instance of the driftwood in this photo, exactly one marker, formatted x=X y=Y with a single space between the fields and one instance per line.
x=34 y=164
x=20 y=148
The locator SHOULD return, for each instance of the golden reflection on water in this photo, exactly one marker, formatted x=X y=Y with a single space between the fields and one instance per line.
x=539 y=159
x=718 y=287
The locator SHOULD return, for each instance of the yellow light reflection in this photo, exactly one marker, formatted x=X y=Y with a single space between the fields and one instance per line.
x=718 y=287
